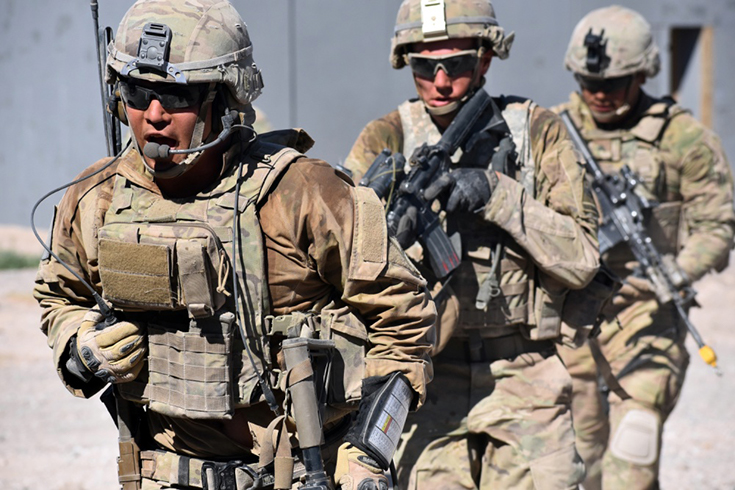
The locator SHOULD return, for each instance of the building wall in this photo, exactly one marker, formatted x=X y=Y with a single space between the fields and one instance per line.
x=325 y=65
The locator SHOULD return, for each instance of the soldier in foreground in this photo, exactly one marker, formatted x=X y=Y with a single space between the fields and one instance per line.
x=498 y=411
x=681 y=165
x=223 y=257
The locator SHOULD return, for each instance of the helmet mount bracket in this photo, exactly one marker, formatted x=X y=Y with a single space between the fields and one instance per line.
x=153 y=52
x=597 y=60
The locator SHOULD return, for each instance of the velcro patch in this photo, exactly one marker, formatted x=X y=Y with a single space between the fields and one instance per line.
x=136 y=274
x=370 y=238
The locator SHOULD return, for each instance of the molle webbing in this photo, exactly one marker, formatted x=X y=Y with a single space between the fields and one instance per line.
x=190 y=371
x=166 y=255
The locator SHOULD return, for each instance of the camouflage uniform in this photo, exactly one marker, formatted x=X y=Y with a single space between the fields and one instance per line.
x=681 y=164
x=314 y=254
x=498 y=417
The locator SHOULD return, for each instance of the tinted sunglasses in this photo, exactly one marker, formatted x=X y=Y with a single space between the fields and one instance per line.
x=605 y=85
x=171 y=96
x=426 y=65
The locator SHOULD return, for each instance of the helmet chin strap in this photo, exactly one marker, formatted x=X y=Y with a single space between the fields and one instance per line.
x=196 y=140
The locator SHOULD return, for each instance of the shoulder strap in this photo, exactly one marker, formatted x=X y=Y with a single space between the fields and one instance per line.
x=656 y=119
x=279 y=162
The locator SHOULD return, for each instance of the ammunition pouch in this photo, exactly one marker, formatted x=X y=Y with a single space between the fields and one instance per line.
x=190 y=370
x=163 y=266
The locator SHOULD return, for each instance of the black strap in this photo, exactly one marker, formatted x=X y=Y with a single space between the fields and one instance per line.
x=604 y=366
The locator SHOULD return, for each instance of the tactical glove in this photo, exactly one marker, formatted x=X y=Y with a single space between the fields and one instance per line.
x=469 y=189
x=114 y=353
x=406 y=229
x=358 y=471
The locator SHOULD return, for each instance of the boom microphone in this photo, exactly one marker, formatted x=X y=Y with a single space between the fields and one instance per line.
x=156 y=151
x=164 y=152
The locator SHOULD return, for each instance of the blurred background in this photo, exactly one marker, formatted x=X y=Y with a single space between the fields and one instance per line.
x=325 y=66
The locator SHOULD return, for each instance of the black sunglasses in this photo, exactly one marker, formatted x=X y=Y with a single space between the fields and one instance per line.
x=426 y=65
x=171 y=96
x=605 y=85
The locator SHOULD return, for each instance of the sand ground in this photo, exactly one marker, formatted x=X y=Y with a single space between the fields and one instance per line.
x=53 y=441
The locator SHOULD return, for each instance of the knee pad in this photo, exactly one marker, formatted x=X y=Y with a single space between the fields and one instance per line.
x=637 y=437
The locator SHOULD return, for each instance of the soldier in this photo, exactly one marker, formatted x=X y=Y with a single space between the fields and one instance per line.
x=497 y=415
x=680 y=164
x=213 y=256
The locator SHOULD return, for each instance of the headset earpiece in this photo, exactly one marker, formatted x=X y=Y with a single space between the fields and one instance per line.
x=115 y=105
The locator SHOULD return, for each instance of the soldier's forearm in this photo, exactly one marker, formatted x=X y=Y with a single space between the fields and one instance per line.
x=560 y=246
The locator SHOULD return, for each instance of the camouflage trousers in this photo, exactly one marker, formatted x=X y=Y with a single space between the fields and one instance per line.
x=500 y=425
x=621 y=446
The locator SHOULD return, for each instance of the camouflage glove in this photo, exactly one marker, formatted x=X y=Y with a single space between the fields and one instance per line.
x=113 y=353
x=358 y=471
x=469 y=189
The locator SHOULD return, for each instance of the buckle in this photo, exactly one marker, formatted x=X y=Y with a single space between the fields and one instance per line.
x=224 y=476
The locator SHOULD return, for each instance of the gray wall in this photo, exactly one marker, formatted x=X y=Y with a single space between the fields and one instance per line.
x=334 y=79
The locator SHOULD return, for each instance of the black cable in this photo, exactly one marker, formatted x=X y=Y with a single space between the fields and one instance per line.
x=104 y=309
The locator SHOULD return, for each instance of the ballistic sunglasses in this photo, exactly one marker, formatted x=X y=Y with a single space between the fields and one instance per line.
x=426 y=65
x=170 y=95
x=605 y=85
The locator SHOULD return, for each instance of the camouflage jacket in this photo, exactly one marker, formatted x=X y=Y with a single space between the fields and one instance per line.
x=310 y=233
x=681 y=164
x=556 y=227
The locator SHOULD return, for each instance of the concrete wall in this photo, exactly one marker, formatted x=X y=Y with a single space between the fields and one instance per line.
x=329 y=75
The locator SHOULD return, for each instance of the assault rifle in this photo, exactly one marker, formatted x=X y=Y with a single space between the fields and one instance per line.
x=402 y=191
x=623 y=222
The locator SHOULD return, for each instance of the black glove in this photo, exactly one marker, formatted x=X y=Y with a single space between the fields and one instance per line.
x=469 y=189
x=406 y=229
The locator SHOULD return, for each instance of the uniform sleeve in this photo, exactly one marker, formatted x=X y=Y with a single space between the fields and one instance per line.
x=63 y=298
x=336 y=237
x=706 y=189
x=559 y=227
x=378 y=135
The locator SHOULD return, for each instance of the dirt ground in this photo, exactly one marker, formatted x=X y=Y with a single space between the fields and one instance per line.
x=53 y=441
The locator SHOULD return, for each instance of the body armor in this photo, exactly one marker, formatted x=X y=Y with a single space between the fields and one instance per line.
x=639 y=148
x=172 y=260
x=523 y=301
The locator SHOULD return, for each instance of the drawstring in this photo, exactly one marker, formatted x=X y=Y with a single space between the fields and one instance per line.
x=222 y=272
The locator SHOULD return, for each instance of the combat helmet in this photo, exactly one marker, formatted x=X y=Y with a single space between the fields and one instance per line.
x=189 y=42
x=437 y=20
x=612 y=42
